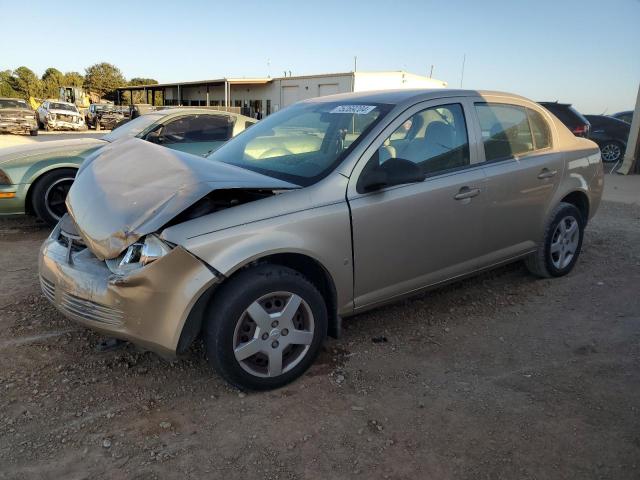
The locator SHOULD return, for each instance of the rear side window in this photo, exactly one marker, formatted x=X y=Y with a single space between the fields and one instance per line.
x=540 y=130
x=198 y=128
x=505 y=130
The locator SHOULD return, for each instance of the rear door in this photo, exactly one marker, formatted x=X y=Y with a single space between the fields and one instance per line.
x=409 y=236
x=522 y=169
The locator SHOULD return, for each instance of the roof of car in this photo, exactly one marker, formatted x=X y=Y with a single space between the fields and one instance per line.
x=409 y=95
x=10 y=98
x=58 y=101
x=210 y=111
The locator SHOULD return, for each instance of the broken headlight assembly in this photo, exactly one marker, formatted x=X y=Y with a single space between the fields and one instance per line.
x=143 y=252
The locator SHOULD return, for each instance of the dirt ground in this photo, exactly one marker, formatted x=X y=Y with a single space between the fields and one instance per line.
x=501 y=376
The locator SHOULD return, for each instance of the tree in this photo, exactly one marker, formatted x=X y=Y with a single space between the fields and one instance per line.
x=142 y=81
x=138 y=96
x=52 y=80
x=26 y=83
x=103 y=79
x=6 y=90
x=73 y=79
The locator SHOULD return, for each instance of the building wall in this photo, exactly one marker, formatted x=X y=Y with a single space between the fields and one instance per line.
x=284 y=91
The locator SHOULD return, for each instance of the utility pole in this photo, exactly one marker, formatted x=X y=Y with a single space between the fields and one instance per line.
x=431 y=72
x=464 y=58
x=631 y=160
x=355 y=63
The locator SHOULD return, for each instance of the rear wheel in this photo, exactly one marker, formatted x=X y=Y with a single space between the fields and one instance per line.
x=33 y=132
x=611 y=151
x=50 y=193
x=562 y=242
x=265 y=327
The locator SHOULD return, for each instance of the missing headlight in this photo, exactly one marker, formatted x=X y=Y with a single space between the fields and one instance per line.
x=139 y=254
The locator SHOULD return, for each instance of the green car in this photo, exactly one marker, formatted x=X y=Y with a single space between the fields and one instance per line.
x=35 y=179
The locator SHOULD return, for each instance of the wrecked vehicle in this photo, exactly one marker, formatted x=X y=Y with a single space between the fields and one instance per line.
x=362 y=199
x=35 y=179
x=16 y=116
x=57 y=115
x=104 y=116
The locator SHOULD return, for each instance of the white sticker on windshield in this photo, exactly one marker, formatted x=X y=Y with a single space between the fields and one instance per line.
x=355 y=109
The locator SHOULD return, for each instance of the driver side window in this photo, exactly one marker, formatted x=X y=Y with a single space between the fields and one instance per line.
x=435 y=139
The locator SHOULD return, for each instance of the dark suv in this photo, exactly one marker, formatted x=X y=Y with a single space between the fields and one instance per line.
x=573 y=119
x=611 y=135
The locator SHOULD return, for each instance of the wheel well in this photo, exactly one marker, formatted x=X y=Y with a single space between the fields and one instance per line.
x=307 y=266
x=28 y=202
x=316 y=274
x=580 y=201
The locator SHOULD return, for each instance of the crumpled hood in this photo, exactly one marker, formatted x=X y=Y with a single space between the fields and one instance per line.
x=16 y=113
x=133 y=187
x=64 y=112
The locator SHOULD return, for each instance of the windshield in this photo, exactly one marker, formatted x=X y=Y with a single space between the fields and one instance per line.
x=8 y=103
x=104 y=108
x=62 y=106
x=302 y=143
x=133 y=127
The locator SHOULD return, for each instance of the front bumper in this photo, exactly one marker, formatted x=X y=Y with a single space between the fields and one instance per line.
x=60 y=125
x=148 y=307
x=17 y=126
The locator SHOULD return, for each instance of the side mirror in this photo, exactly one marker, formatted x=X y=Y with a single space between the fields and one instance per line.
x=395 y=171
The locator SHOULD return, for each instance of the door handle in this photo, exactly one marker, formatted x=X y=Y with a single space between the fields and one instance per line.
x=466 y=192
x=546 y=173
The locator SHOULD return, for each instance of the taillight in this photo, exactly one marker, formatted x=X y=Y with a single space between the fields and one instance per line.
x=581 y=130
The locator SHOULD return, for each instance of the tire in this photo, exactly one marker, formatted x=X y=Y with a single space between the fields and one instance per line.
x=229 y=325
x=559 y=251
x=611 y=151
x=48 y=191
x=34 y=133
x=97 y=125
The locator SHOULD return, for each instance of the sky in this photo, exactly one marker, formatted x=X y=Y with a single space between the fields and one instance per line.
x=585 y=53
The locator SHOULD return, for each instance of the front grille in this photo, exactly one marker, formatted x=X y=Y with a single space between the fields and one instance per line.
x=66 y=118
x=48 y=289
x=86 y=309
x=77 y=244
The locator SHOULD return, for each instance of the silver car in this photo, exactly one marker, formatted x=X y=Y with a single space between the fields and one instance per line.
x=328 y=208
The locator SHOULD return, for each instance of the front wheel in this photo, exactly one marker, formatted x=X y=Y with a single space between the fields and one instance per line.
x=265 y=327
x=561 y=245
x=50 y=193
x=33 y=132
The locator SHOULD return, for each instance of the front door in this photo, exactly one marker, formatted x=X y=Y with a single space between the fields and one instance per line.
x=410 y=236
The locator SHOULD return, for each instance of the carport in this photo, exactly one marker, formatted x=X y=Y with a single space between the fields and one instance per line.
x=174 y=93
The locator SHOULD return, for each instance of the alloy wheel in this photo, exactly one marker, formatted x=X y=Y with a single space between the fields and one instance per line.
x=273 y=334
x=611 y=152
x=564 y=242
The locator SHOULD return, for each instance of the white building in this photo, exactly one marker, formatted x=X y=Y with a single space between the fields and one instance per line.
x=268 y=95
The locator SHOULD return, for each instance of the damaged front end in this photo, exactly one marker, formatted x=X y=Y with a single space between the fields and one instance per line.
x=17 y=121
x=105 y=264
x=134 y=188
